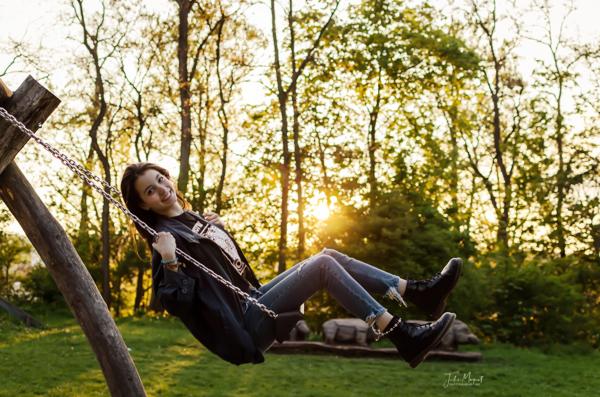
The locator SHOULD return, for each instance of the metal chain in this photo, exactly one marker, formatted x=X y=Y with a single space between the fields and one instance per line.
x=95 y=182
x=379 y=334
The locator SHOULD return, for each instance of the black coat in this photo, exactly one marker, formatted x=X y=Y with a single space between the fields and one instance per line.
x=211 y=311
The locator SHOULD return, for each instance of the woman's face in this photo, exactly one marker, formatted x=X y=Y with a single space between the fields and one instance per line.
x=156 y=192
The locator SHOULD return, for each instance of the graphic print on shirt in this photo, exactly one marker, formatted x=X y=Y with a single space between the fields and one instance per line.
x=223 y=240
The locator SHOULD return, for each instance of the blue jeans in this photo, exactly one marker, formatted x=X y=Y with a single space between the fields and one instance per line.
x=348 y=280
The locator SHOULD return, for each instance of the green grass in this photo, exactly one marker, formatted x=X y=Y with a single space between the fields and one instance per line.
x=58 y=361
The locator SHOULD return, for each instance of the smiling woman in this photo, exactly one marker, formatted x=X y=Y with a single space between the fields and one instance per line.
x=239 y=330
x=157 y=193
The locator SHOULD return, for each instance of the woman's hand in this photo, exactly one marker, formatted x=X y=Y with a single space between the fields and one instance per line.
x=165 y=245
x=213 y=218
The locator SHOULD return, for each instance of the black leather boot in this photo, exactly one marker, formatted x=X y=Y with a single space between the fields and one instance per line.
x=415 y=341
x=431 y=295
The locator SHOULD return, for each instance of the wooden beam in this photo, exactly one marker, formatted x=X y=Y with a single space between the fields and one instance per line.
x=31 y=104
x=19 y=314
x=5 y=93
x=73 y=280
x=310 y=347
x=60 y=257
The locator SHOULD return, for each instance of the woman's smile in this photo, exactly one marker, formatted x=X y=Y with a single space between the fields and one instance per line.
x=157 y=193
x=168 y=196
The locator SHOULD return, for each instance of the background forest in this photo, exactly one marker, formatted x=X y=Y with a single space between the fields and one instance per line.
x=402 y=133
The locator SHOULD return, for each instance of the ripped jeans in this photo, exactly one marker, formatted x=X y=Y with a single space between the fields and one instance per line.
x=348 y=280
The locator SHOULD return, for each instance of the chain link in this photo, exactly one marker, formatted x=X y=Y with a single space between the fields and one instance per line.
x=379 y=334
x=96 y=183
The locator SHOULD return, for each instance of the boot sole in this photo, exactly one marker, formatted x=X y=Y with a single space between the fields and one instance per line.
x=440 y=308
x=421 y=356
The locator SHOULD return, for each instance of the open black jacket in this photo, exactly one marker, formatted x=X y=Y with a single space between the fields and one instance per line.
x=211 y=311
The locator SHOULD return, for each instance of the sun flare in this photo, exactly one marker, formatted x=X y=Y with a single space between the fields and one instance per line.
x=321 y=211
x=320 y=207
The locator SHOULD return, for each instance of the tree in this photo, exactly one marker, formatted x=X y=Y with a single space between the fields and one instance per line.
x=101 y=44
x=573 y=164
x=205 y=22
x=283 y=94
x=502 y=123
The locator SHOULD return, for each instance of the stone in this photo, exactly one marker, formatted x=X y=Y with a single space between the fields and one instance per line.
x=348 y=331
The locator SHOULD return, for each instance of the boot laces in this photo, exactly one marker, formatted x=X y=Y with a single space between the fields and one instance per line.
x=424 y=283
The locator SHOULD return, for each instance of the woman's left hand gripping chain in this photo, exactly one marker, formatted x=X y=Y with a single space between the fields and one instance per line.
x=213 y=218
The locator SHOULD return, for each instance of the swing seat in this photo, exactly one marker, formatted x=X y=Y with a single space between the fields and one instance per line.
x=284 y=323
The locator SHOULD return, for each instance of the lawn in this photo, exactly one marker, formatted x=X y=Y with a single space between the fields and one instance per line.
x=57 y=361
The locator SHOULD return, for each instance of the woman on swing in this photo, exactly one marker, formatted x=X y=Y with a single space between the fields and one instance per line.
x=240 y=332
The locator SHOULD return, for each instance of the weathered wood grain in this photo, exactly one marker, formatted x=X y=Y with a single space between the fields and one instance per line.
x=32 y=104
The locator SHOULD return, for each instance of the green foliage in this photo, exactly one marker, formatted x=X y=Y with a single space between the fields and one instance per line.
x=89 y=247
x=534 y=304
x=412 y=74
x=39 y=286
x=471 y=296
x=402 y=234
x=14 y=249
x=124 y=277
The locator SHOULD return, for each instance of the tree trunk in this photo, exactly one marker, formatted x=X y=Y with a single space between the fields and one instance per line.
x=282 y=96
x=296 y=133
x=203 y=128
x=224 y=120
x=103 y=108
x=326 y=182
x=454 y=171
x=84 y=218
x=562 y=174
x=74 y=282
x=285 y=166
x=494 y=87
x=91 y=41
x=184 y=96
x=372 y=143
x=139 y=289
x=32 y=104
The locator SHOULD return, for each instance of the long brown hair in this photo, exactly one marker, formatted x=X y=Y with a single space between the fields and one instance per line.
x=133 y=201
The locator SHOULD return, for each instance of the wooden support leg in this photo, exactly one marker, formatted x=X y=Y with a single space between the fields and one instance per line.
x=54 y=247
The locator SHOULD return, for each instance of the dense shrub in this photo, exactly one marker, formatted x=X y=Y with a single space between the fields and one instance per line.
x=516 y=299
x=39 y=286
x=533 y=304
x=402 y=234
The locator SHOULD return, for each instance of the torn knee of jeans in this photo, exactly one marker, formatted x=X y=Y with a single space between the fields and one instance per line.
x=371 y=318
x=301 y=265
x=326 y=251
x=394 y=294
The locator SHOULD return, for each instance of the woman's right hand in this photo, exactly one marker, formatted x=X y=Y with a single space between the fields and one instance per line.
x=164 y=243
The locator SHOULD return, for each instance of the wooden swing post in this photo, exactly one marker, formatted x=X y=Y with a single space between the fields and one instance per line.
x=32 y=104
